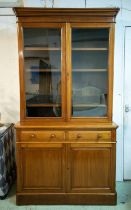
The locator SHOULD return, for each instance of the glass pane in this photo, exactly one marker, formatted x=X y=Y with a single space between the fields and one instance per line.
x=42 y=53
x=89 y=72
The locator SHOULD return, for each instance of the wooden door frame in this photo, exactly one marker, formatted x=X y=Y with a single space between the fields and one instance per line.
x=111 y=27
x=23 y=117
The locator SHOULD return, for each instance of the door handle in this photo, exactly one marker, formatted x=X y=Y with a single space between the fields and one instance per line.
x=127 y=108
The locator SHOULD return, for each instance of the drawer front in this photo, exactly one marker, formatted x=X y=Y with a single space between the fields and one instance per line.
x=42 y=135
x=89 y=135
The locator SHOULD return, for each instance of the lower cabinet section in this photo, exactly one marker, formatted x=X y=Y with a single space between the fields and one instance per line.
x=42 y=167
x=66 y=173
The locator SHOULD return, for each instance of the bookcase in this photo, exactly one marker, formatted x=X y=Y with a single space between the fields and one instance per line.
x=66 y=140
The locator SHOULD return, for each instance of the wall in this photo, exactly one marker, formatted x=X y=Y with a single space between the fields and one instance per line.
x=9 y=84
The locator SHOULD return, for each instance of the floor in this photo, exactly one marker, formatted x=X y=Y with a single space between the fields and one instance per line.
x=123 y=202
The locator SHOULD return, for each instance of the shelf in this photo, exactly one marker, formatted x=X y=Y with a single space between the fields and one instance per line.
x=35 y=58
x=41 y=48
x=43 y=105
x=59 y=71
x=57 y=48
x=89 y=70
x=89 y=49
x=44 y=70
x=89 y=105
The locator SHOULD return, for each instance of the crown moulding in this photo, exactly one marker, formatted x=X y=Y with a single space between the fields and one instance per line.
x=30 y=11
x=87 y=14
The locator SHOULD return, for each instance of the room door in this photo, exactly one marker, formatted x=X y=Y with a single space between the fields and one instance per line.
x=127 y=106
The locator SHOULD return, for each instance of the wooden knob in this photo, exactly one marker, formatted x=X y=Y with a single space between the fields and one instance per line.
x=78 y=136
x=33 y=135
x=99 y=136
x=52 y=135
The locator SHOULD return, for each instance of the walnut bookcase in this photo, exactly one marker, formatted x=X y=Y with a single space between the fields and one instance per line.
x=66 y=140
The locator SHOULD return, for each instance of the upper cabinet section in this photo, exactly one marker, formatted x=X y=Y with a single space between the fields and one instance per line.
x=66 y=64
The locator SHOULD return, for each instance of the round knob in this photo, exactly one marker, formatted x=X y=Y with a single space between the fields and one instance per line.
x=33 y=135
x=78 y=136
x=99 y=136
x=53 y=136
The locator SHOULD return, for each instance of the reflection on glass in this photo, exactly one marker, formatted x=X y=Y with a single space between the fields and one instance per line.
x=89 y=72
x=42 y=53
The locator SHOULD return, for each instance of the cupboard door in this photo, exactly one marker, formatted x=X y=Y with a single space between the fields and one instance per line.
x=42 y=167
x=89 y=66
x=91 y=168
x=43 y=52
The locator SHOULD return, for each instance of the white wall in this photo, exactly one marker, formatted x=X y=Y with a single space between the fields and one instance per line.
x=9 y=83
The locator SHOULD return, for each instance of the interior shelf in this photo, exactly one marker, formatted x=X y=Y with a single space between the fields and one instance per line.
x=89 y=70
x=32 y=58
x=89 y=49
x=41 y=48
x=57 y=48
x=89 y=105
x=43 y=105
x=59 y=71
x=44 y=70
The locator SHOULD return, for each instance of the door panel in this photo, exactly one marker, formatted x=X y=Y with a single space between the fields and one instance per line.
x=43 y=167
x=43 y=70
x=90 y=168
x=127 y=102
x=90 y=64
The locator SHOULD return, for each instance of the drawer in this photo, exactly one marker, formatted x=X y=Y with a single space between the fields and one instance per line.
x=89 y=135
x=42 y=135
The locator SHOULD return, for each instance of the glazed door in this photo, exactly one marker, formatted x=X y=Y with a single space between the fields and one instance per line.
x=42 y=167
x=90 y=82
x=43 y=71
